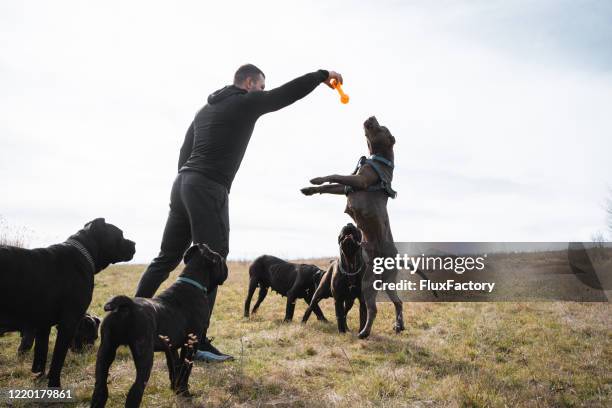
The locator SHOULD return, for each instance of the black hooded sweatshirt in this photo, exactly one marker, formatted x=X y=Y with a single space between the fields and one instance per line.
x=217 y=139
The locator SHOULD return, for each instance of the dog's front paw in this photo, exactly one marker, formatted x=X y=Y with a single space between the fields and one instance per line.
x=318 y=180
x=308 y=191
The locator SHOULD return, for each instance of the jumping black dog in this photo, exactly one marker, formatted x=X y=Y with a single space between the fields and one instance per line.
x=295 y=281
x=44 y=287
x=168 y=322
x=343 y=279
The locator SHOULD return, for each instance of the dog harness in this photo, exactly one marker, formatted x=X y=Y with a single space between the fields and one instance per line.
x=79 y=247
x=384 y=184
x=192 y=282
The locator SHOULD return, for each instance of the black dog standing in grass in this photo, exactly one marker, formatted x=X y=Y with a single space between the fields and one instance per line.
x=165 y=323
x=52 y=286
x=295 y=281
x=214 y=146
x=343 y=280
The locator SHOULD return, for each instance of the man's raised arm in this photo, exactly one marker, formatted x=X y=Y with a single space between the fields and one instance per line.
x=277 y=98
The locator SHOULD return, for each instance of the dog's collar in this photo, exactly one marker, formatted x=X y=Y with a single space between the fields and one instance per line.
x=381 y=159
x=344 y=272
x=192 y=282
x=79 y=247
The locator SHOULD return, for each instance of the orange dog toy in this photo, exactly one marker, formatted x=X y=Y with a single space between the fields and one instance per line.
x=344 y=98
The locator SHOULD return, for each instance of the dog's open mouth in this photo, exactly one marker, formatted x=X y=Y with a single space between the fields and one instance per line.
x=348 y=245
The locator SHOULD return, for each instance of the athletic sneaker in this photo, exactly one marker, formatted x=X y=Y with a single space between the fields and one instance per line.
x=209 y=353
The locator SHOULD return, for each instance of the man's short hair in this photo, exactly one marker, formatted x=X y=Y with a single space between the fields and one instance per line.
x=247 y=71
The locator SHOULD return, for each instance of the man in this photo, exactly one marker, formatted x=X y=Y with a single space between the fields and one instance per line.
x=211 y=154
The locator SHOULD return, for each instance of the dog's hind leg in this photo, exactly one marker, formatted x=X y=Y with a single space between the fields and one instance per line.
x=391 y=276
x=369 y=295
x=247 y=302
x=41 y=349
x=104 y=359
x=398 y=326
x=363 y=313
x=142 y=352
x=263 y=291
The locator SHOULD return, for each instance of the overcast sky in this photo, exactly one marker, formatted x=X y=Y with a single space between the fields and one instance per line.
x=501 y=111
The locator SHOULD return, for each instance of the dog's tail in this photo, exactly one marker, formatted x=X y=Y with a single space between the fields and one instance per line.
x=118 y=302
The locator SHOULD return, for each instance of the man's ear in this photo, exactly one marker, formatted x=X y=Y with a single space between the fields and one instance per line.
x=248 y=83
x=190 y=253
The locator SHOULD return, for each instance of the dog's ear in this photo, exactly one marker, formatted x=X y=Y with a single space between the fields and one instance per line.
x=219 y=270
x=208 y=253
x=98 y=222
x=96 y=320
x=190 y=253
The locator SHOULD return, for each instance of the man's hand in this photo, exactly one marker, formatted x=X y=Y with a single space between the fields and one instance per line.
x=319 y=180
x=333 y=75
x=308 y=191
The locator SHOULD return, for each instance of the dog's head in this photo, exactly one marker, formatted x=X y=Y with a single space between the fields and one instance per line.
x=379 y=137
x=105 y=243
x=206 y=265
x=349 y=240
x=86 y=333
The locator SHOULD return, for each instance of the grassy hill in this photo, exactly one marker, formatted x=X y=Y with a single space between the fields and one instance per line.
x=451 y=354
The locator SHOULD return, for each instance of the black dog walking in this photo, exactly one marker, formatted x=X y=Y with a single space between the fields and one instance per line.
x=295 y=281
x=211 y=154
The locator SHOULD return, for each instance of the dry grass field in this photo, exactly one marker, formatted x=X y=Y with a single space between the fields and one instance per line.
x=451 y=355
